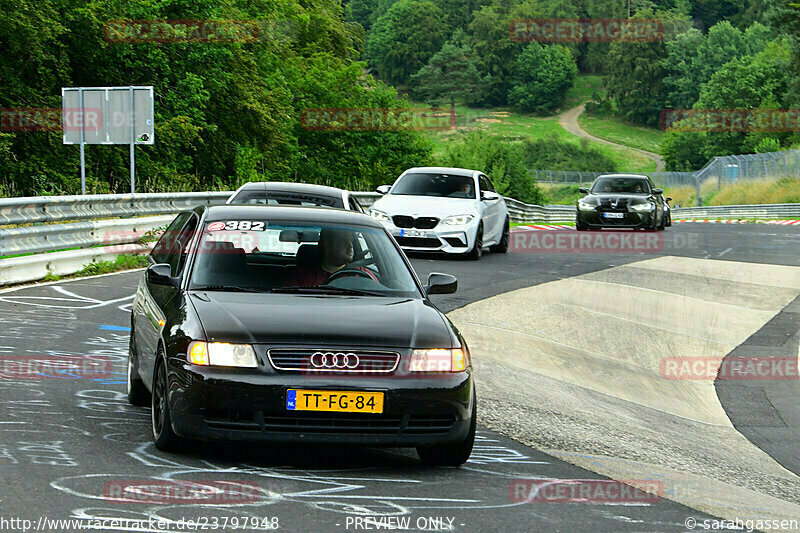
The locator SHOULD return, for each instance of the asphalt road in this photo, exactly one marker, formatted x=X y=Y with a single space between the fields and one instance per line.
x=68 y=443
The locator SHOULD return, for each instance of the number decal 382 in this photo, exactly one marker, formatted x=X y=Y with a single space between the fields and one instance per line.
x=240 y=225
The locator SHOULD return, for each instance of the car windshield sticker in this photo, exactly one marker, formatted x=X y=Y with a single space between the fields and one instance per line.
x=238 y=225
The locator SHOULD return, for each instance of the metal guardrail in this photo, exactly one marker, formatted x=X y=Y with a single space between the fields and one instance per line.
x=118 y=221
x=60 y=208
x=738 y=211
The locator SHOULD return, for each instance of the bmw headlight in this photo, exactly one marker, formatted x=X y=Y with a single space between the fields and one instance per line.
x=379 y=215
x=458 y=220
x=222 y=354
x=587 y=205
x=643 y=208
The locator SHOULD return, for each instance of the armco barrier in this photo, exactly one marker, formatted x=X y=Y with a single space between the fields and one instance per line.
x=738 y=211
x=89 y=222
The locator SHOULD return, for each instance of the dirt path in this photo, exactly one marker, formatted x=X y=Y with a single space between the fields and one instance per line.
x=569 y=121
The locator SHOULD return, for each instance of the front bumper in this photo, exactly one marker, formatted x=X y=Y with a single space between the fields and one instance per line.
x=632 y=219
x=247 y=404
x=442 y=238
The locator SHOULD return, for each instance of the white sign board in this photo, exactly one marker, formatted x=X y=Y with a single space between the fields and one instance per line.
x=108 y=115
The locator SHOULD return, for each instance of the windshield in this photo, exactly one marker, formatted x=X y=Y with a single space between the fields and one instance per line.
x=271 y=197
x=264 y=256
x=621 y=185
x=423 y=184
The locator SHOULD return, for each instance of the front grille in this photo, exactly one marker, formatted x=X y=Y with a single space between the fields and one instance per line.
x=331 y=423
x=622 y=204
x=403 y=221
x=301 y=360
x=419 y=242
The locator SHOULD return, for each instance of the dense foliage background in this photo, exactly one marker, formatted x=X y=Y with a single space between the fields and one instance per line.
x=229 y=113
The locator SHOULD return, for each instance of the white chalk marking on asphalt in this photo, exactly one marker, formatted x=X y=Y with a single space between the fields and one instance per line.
x=724 y=252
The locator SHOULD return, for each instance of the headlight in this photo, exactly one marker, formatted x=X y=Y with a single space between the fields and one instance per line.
x=439 y=360
x=221 y=354
x=380 y=215
x=586 y=206
x=649 y=206
x=458 y=220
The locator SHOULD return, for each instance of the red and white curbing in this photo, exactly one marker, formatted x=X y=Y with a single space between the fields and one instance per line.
x=542 y=227
x=740 y=221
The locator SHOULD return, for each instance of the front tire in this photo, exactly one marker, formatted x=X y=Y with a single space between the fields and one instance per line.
x=451 y=454
x=502 y=246
x=477 y=249
x=137 y=392
x=164 y=437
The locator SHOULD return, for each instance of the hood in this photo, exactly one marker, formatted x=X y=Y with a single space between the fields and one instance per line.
x=311 y=320
x=617 y=200
x=425 y=206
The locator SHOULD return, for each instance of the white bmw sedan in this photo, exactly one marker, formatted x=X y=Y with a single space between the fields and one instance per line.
x=451 y=210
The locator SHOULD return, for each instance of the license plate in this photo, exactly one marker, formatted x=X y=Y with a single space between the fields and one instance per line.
x=413 y=233
x=614 y=215
x=341 y=401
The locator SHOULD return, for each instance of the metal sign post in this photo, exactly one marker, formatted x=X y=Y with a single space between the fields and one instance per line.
x=108 y=115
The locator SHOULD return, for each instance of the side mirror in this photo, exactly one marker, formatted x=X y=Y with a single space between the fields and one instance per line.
x=489 y=196
x=383 y=189
x=669 y=199
x=658 y=191
x=161 y=274
x=583 y=190
x=441 y=284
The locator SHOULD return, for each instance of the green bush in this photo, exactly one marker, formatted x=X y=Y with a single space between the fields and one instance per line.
x=503 y=162
x=553 y=153
x=542 y=76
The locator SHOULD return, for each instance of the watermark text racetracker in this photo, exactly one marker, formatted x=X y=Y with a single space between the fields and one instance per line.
x=182 y=31
x=50 y=119
x=731 y=120
x=745 y=368
x=585 y=491
x=552 y=30
x=373 y=119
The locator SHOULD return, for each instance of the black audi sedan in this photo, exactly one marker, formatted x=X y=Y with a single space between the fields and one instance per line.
x=297 y=324
x=621 y=201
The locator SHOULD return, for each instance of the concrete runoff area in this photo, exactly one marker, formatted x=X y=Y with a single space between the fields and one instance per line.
x=573 y=368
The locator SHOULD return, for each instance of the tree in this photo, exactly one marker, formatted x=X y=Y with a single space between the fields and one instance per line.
x=493 y=52
x=683 y=83
x=450 y=74
x=501 y=161
x=746 y=83
x=404 y=38
x=542 y=76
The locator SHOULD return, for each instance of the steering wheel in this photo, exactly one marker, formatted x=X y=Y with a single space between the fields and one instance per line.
x=351 y=271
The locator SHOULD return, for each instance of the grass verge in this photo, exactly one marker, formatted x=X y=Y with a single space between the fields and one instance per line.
x=620 y=132
x=122 y=262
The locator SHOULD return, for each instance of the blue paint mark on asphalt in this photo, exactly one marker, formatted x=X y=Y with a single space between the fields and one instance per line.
x=113 y=328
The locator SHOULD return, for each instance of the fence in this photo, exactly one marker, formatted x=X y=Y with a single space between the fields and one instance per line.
x=724 y=170
x=100 y=227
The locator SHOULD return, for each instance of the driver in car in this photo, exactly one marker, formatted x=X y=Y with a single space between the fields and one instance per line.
x=336 y=252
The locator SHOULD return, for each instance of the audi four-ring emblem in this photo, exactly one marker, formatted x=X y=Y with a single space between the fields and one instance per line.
x=334 y=360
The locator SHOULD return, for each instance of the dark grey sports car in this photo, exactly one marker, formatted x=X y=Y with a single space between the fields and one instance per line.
x=621 y=201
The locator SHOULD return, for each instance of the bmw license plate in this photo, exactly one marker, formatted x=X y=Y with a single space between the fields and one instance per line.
x=341 y=401
x=413 y=233
x=614 y=215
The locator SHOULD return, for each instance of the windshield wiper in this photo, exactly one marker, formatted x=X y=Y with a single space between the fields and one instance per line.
x=325 y=289
x=231 y=288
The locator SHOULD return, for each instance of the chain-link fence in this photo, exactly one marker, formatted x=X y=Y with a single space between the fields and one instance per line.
x=723 y=170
